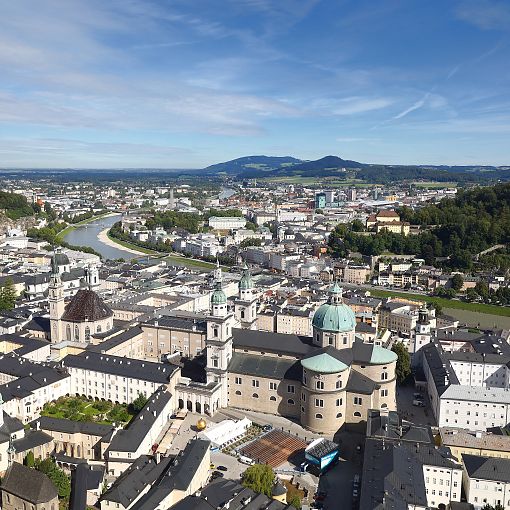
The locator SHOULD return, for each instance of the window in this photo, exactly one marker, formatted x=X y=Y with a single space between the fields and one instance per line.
x=384 y=393
x=319 y=402
x=338 y=384
x=358 y=401
x=338 y=415
x=255 y=383
x=290 y=401
x=238 y=392
x=255 y=395
x=272 y=386
x=273 y=398
x=338 y=402
x=357 y=414
x=319 y=385
x=318 y=416
x=215 y=363
x=303 y=397
x=290 y=388
x=384 y=376
x=238 y=380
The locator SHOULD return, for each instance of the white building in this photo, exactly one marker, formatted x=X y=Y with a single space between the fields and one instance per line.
x=226 y=222
x=486 y=481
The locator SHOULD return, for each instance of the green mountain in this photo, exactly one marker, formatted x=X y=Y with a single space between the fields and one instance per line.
x=252 y=163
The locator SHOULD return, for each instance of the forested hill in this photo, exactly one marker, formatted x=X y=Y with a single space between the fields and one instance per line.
x=15 y=206
x=252 y=164
x=457 y=228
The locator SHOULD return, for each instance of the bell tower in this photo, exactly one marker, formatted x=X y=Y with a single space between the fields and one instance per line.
x=422 y=332
x=246 y=302
x=56 y=302
x=219 y=341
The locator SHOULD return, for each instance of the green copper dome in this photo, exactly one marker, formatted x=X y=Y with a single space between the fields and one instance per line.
x=324 y=364
x=245 y=282
x=334 y=315
x=218 y=297
x=382 y=356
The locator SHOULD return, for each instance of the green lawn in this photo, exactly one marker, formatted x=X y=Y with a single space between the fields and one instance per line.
x=73 y=226
x=191 y=262
x=82 y=409
x=446 y=303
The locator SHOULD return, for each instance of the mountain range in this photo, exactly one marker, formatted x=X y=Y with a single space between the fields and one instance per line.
x=331 y=166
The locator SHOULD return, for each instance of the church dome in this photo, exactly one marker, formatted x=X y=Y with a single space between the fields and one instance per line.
x=218 y=297
x=86 y=305
x=334 y=315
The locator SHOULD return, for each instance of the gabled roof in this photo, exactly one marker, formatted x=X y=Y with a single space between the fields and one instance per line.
x=28 y=484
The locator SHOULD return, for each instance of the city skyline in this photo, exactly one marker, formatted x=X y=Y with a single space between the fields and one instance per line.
x=143 y=84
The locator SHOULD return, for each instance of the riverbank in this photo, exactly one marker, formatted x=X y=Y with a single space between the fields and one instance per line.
x=104 y=237
x=74 y=226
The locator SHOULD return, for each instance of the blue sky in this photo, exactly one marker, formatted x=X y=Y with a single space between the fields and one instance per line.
x=187 y=83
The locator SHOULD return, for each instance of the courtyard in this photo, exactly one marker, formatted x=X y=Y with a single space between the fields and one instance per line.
x=83 y=409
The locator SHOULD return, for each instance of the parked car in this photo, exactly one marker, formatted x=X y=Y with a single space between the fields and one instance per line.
x=222 y=468
x=216 y=474
x=418 y=403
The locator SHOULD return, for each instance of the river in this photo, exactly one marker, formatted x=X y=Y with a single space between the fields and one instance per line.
x=87 y=235
x=226 y=193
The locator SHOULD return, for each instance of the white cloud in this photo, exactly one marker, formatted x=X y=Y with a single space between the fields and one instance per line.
x=415 y=106
x=485 y=14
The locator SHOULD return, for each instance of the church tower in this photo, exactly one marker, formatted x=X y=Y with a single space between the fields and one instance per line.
x=56 y=301
x=92 y=277
x=219 y=341
x=422 y=332
x=246 y=302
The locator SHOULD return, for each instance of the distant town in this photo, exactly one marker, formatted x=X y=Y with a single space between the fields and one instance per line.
x=250 y=342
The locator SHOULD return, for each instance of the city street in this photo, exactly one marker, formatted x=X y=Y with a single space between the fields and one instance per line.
x=418 y=415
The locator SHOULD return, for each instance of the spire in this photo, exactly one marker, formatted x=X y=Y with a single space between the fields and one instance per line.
x=54 y=264
x=217 y=272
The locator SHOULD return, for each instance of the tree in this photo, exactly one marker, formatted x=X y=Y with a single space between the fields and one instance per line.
x=30 y=459
x=56 y=475
x=251 y=226
x=7 y=295
x=250 y=241
x=403 y=368
x=138 y=404
x=259 y=478
x=457 y=282
x=471 y=295
x=294 y=500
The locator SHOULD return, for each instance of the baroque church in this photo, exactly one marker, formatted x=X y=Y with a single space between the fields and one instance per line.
x=324 y=381
x=85 y=319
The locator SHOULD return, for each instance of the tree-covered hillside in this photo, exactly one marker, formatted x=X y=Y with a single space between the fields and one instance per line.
x=15 y=206
x=456 y=228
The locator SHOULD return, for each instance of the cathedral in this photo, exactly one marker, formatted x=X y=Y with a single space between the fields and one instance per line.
x=324 y=381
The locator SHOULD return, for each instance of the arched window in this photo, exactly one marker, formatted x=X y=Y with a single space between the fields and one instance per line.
x=317 y=338
x=215 y=331
x=76 y=332
x=357 y=414
x=290 y=401
x=98 y=330
x=273 y=398
x=318 y=416
x=255 y=395
x=319 y=385
x=68 y=332
x=338 y=415
x=242 y=314
x=87 y=333
x=238 y=392
x=383 y=406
